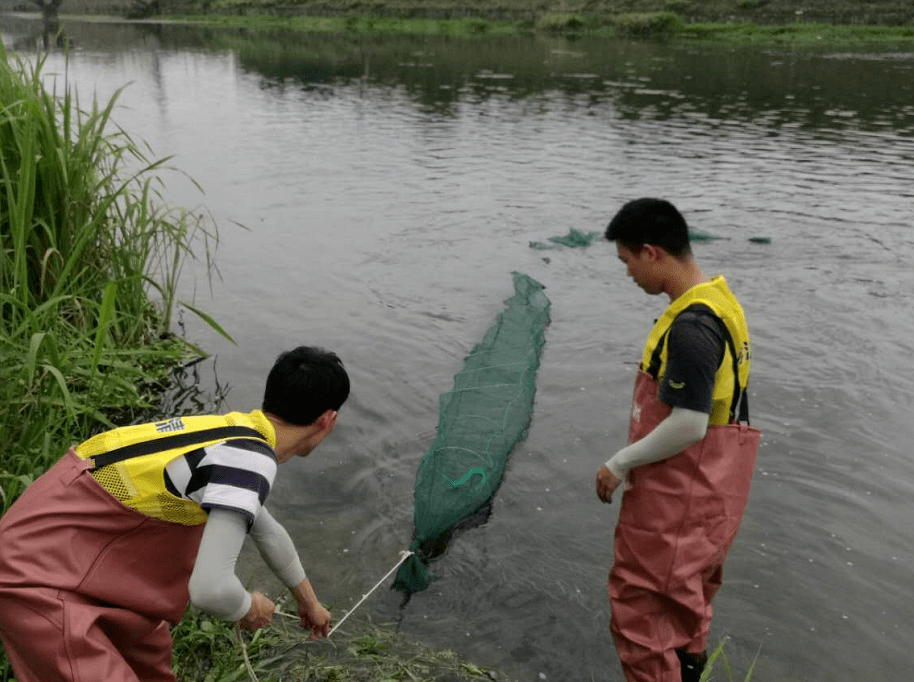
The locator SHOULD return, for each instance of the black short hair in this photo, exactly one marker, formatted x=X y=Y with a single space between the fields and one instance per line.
x=650 y=221
x=304 y=383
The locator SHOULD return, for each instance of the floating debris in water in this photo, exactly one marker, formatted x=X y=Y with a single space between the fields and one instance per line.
x=574 y=239
x=698 y=236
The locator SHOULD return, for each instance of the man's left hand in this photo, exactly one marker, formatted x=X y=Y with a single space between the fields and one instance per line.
x=311 y=614
x=607 y=482
x=315 y=618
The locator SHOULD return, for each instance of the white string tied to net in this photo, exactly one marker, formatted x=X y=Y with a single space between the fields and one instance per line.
x=404 y=555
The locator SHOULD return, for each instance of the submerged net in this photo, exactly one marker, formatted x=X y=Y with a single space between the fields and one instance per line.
x=479 y=422
x=574 y=239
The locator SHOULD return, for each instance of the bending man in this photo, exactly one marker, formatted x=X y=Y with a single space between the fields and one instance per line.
x=104 y=550
x=689 y=460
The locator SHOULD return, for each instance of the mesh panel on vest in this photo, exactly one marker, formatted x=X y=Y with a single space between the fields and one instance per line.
x=174 y=510
x=164 y=506
x=111 y=479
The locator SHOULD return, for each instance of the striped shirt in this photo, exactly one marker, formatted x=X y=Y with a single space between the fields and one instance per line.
x=234 y=475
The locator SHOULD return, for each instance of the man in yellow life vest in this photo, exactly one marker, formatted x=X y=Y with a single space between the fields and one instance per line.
x=690 y=453
x=102 y=552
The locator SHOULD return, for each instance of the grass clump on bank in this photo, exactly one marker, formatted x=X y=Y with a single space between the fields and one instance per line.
x=803 y=34
x=89 y=261
x=359 y=24
x=649 y=25
x=209 y=650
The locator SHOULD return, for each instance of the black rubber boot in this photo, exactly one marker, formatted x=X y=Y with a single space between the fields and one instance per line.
x=692 y=665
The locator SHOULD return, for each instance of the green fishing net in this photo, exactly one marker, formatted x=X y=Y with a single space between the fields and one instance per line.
x=574 y=239
x=479 y=422
x=699 y=236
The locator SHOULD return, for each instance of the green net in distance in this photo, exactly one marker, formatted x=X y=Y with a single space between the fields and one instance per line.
x=480 y=420
x=574 y=239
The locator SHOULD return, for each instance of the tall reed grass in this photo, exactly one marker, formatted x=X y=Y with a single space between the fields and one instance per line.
x=89 y=261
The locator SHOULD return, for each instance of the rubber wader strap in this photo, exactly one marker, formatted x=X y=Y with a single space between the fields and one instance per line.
x=740 y=403
x=739 y=406
x=654 y=368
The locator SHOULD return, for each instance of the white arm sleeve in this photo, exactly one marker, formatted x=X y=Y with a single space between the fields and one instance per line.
x=277 y=549
x=213 y=585
x=674 y=434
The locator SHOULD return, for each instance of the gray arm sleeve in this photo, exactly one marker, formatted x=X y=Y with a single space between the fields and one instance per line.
x=213 y=585
x=674 y=434
x=277 y=549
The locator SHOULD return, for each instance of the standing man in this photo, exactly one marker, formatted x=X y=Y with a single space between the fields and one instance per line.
x=104 y=550
x=690 y=455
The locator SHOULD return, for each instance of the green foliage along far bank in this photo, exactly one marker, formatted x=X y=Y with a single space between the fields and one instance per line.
x=89 y=260
x=380 y=18
x=576 y=13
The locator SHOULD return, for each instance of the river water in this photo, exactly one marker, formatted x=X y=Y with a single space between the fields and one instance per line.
x=374 y=194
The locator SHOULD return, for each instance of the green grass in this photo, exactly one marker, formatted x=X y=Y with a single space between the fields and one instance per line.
x=802 y=34
x=759 y=11
x=209 y=650
x=89 y=261
x=717 y=658
x=359 y=24
x=649 y=25
x=666 y=25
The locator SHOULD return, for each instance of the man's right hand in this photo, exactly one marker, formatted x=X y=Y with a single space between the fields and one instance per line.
x=260 y=613
x=607 y=482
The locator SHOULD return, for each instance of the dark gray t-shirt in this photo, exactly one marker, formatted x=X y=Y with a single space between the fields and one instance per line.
x=695 y=349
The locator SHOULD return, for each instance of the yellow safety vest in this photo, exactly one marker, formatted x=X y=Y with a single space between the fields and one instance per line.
x=716 y=296
x=129 y=462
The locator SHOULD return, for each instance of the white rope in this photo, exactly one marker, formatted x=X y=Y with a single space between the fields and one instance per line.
x=244 y=654
x=404 y=555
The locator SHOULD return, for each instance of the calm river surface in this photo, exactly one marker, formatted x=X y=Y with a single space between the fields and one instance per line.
x=389 y=186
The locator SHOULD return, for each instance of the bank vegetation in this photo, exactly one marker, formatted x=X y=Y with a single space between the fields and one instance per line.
x=90 y=255
x=825 y=22
x=89 y=261
x=886 y=12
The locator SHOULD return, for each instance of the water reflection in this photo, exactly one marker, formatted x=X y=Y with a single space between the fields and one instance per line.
x=774 y=88
x=642 y=80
